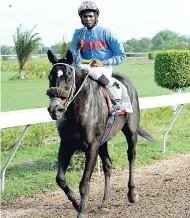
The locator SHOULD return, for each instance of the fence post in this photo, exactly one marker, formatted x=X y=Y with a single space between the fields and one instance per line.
x=11 y=157
x=169 y=127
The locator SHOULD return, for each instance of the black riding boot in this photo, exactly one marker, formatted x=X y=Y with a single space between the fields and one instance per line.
x=104 y=81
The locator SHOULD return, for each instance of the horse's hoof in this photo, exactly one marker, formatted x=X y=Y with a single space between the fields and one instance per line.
x=76 y=205
x=133 y=197
x=80 y=215
x=104 y=204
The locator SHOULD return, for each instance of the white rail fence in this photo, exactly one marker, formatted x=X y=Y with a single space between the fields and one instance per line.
x=40 y=115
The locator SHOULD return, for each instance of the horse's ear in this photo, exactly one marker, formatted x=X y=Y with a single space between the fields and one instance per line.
x=69 y=57
x=52 y=57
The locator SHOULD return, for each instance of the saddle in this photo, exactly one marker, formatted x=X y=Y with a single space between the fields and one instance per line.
x=121 y=90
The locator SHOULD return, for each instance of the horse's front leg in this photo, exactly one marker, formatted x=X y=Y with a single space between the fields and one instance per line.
x=91 y=156
x=64 y=157
x=131 y=152
x=107 y=168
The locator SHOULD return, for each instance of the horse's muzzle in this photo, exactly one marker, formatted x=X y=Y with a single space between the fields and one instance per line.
x=56 y=109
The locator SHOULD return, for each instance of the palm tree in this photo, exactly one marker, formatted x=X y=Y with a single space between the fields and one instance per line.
x=62 y=47
x=26 y=43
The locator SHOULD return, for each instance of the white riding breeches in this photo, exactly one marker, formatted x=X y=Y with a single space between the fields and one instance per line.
x=96 y=72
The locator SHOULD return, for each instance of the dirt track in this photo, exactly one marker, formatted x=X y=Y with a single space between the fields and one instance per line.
x=163 y=187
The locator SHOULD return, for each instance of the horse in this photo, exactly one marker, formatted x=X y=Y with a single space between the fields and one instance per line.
x=79 y=107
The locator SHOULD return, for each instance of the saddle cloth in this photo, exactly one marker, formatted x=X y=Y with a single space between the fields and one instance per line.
x=122 y=93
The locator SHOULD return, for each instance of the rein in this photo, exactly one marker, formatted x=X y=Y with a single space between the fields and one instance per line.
x=71 y=95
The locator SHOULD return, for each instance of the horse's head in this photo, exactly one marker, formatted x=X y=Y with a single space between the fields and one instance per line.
x=61 y=84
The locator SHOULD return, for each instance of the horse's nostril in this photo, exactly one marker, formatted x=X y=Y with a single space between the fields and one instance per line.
x=60 y=109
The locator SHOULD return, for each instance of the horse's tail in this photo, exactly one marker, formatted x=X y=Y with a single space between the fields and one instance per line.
x=146 y=135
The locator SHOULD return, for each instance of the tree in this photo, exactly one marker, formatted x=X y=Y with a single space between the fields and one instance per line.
x=6 y=50
x=165 y=40
x=127 y=48
x=145 y=44
x=135 y=45
x=54 y=49
x=185 y=42
x=184 y=39
x=62 y=47
x=26 y=43
x=132 y=43
x=43 y=49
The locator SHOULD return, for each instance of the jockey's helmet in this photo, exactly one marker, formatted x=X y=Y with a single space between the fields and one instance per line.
x=88 y=5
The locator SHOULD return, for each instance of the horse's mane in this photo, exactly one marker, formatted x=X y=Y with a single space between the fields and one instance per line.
x=80 y=75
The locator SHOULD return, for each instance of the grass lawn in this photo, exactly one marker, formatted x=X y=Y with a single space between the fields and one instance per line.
x=31 y=93
x=23 y=94
x=33 y=169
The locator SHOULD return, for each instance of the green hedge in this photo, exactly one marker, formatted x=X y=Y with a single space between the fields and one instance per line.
x=9 y=66
x=38 y=69
x=5 y=58
x=34 y=69
x=151 y=55
x=172 y=69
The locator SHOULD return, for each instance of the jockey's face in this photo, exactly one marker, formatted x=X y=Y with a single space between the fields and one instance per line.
x=88 y=19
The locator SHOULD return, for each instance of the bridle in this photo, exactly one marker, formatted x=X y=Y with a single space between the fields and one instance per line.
x=71 y=96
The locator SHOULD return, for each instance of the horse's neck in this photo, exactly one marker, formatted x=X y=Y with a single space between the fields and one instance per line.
x=85 y=93
x=79 y=81
x=86 y=105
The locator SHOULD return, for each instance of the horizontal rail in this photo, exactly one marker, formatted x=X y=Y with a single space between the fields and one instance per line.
x=41 y=115
x=164 y=100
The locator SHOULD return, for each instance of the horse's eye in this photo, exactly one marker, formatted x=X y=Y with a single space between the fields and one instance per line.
x=68 y=80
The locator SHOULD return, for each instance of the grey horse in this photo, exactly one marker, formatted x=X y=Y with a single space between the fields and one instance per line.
x=81 y=113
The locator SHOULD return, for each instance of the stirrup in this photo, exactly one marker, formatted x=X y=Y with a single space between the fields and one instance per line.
x=116 y=102
x=116 y=105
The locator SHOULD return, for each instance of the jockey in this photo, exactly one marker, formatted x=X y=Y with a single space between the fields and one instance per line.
x=98 y=44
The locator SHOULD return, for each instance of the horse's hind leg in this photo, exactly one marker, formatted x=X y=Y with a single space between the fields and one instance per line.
x=64 y=157
x=131 y=152
x=107 y=168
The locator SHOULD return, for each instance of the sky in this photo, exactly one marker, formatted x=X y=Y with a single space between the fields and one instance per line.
x=125 y=18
